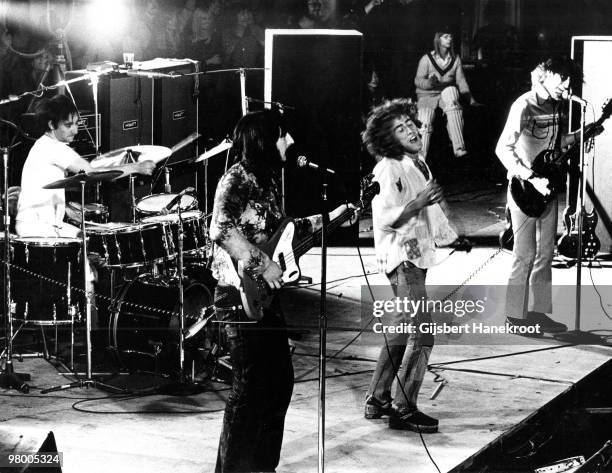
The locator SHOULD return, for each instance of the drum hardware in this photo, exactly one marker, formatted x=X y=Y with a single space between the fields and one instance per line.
x=225 y=145
x=9 y=379
x=82 y=179
x=132 y=190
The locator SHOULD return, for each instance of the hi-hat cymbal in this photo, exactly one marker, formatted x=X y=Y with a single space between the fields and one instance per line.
x=139 y=153
x=87 y=177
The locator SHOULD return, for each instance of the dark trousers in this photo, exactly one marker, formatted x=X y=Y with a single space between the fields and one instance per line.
x=262 y=385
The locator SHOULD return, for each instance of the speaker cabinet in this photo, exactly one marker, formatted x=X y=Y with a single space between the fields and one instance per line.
x=317 y=75
x=588 y=51
x=125 y=105
x=175 y=112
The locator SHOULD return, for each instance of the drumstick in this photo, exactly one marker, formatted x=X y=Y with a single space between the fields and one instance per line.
x=184 y=142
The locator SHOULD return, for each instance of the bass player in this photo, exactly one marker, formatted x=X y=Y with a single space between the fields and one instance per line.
x=247 y=212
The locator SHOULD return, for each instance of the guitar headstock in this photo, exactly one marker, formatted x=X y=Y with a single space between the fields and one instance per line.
x=369 y=188
x=606 y=111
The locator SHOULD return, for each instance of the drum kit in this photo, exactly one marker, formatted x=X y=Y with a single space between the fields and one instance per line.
x=158 y=319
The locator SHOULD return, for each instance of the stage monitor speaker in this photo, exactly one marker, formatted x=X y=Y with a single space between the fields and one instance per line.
x=588 y=51
x=317 y=75
x=49 y=448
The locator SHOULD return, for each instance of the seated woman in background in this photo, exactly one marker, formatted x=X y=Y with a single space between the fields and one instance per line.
x=440 y=82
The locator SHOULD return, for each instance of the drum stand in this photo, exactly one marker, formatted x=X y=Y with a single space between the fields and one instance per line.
x=88 y=381
x=8 y=378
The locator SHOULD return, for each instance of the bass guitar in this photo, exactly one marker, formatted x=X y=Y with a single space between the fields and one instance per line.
x=567 y=244
x=551 y=165
x=284 y=249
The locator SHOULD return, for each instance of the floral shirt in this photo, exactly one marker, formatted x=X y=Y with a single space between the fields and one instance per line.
x=241 y=203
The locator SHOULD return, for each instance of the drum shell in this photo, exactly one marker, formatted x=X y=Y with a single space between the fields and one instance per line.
x=146 y=338
x=195 y=234
x=34 y=262
x=97 y=213
x=133 y=246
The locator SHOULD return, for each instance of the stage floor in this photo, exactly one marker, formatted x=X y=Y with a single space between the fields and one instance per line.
x=98 y=432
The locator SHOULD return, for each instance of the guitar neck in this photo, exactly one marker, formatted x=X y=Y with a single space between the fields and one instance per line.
x=588 y=133
x=315 y=237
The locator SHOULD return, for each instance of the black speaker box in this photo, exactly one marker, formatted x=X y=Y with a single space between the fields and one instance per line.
x=125 y=105
x=317 y=74
x=175 y=113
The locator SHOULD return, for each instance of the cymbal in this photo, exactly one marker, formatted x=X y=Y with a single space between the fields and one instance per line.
x=140 y=152
x=87 y=177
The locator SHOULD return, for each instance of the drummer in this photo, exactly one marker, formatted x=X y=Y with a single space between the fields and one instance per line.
x=40 y=212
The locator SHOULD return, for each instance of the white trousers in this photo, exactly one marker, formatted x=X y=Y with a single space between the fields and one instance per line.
x=448 y=101
x=530 y=280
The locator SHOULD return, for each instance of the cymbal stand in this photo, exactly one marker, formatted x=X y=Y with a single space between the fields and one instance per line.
x=181 y=289
x=88 y=381
x=8 y=378
x=133 y=197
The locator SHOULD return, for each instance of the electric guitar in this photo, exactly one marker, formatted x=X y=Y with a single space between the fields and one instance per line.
x=568 y=242
x=284 y=249
x=550 y=164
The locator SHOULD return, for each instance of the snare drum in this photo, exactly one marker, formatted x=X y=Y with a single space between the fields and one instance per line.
x=145 y=335
x=194 y=230
x=41 y=271
x=131 y=245
x=93 y=213
x=156 y=203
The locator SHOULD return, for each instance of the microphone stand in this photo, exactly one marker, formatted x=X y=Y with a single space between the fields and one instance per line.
x=8 y=378
x=577 y=336
x=323 y=322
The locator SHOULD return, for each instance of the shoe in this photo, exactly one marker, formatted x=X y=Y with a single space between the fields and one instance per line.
x=514 y=322
x=546 y=323
x=375 y=409
x=415 y=421
x=461 y=153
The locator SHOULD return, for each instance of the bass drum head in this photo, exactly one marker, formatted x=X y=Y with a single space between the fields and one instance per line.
x=144 y=325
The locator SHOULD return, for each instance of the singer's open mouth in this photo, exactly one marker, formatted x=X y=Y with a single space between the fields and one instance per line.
x=413 y=138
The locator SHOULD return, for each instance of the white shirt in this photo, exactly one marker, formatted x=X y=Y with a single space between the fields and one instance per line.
x=415 y=240
x=47 y=162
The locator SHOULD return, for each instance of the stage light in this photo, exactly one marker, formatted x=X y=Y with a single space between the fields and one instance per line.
x=108 y=17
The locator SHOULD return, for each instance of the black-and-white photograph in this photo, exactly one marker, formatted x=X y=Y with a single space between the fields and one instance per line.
x=298 y=236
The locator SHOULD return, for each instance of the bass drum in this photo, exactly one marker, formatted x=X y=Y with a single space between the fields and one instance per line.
x=144 y=324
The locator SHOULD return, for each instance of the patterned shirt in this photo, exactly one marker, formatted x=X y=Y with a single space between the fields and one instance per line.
x=254 y=210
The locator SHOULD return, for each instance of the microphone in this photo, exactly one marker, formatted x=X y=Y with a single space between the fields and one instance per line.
x=175 y=200
x=302 y=161
x=568 y=96
x=151 y=74
x=195 y=328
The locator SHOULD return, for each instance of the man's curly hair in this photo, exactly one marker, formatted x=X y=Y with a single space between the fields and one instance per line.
x=378 y=136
